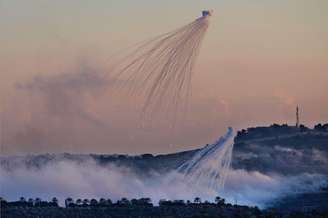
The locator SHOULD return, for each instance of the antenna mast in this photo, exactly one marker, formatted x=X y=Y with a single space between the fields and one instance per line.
x=297 y=117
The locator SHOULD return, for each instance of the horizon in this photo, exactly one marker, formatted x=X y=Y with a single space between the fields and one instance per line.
x=197 y=147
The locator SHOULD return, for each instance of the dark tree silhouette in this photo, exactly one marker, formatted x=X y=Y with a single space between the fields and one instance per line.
x=78 y=202
x=22 y=199
x=197 y=200
x=103 y=202
x=109 y=202
x=69 y=202
x=54 y=202
x=220 y=201
x=37 y=202
x=93 y=202
x=85 y=202
x=123 y=202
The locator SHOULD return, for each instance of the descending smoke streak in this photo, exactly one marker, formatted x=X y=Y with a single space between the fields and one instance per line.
x=210 y=165
x=160 y=69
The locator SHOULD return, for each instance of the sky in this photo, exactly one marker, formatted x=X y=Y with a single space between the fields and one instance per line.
x=259 y=60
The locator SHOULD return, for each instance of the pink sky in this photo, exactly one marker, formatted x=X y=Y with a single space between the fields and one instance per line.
x=259 y=60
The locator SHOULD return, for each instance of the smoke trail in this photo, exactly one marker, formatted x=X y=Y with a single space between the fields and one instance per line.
x=160 y=69
x=209 y=167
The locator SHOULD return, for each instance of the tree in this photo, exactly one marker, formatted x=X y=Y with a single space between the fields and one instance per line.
x=206 y=202
x=325 y=127
x=85 y=202
x=102 y=202
x=217 y=199
x=124 y=202
x=179 y=203
x=93 y=202
x=164 y=202
x=220 y=201
x=303 y=128
x=134 y=202
x=147 y=156
x=30 y=202
x=145 y=202
x=68 y=202
x=319 y=127
x=197 y=200
x=54 y=202
x=109 y=202
x=37 y=202
x=78 y=202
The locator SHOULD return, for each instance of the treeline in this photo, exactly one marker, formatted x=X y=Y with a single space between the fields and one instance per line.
x=277 y=130
x=143 y=207
x=321 y=127
x=124 y=202
x=22 y=202
x=102 y=202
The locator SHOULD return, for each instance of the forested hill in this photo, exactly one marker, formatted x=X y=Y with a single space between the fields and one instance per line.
x=280 y=149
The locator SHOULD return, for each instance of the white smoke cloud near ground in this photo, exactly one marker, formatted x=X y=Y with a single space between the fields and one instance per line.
x=88 y=180
x=255 y=188
x=206 y=175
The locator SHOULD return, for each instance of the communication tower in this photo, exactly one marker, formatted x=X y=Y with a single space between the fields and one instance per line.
x=297 y=117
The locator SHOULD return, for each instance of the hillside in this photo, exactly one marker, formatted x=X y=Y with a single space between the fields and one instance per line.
x=278 y=149
x=282 y=149
x=275 y=166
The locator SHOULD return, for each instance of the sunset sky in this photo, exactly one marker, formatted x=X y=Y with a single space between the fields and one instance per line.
x=259 y=59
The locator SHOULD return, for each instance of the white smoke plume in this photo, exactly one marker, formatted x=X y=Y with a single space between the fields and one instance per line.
x=210 y=166
x=161 y=69
x=88 y=180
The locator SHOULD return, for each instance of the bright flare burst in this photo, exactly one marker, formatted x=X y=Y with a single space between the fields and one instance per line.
x=160 y=69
